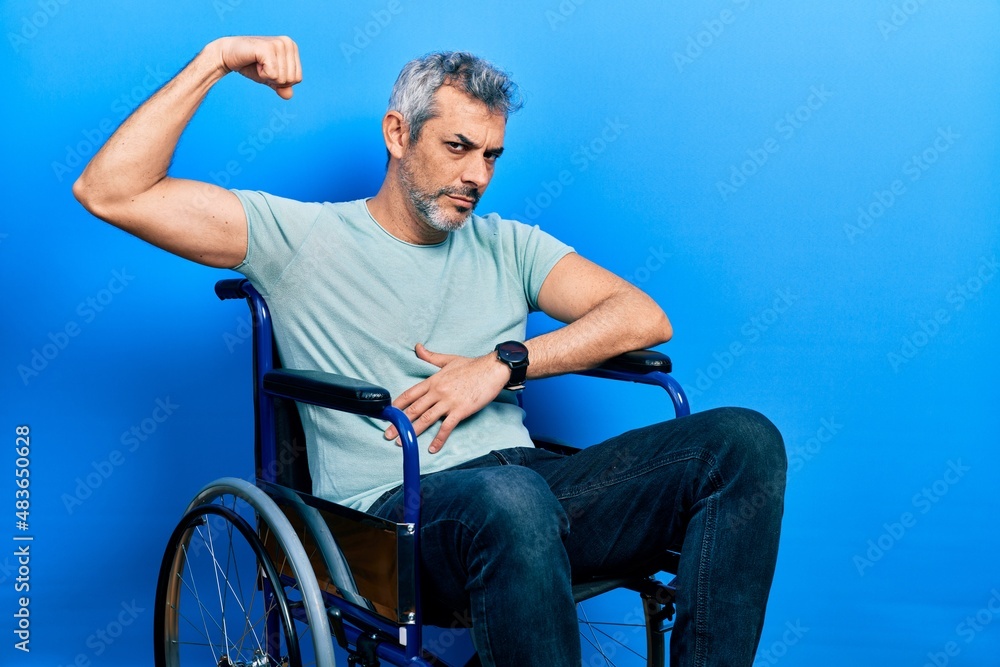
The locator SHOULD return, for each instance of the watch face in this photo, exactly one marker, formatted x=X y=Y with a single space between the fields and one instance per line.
x=512 y=352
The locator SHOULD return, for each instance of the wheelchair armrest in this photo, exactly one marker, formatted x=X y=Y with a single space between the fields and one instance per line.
x=328 y=390
x=644 y=367
x=231 y=288
x=638 y=361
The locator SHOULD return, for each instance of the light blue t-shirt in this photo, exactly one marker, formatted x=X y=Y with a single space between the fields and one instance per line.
x=347 y=297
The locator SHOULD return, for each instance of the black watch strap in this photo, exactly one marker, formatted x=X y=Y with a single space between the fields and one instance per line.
x=515 y=355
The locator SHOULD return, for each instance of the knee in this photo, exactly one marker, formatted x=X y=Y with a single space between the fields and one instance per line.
x=751 y=444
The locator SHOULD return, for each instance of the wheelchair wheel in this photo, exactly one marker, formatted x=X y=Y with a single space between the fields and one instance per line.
x=618 y=629
x=236 y=588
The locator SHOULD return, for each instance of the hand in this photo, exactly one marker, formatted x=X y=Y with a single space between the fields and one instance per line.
x=272 y=61
x=462 y=387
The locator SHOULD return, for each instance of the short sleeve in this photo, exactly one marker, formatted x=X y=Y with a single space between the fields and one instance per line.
x=276 y=229
x=537 y=253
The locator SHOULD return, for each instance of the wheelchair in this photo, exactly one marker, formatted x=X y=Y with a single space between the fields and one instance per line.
x=265 y=574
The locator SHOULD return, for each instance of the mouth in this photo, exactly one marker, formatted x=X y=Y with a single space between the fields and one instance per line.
x=463 y=202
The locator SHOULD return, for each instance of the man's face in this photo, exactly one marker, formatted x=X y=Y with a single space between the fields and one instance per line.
x=446 y=171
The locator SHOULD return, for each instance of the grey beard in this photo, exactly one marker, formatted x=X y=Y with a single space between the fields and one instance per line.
x=426 y=206
x=430 y=212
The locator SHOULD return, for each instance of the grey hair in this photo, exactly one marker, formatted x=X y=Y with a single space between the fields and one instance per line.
x=413 y=94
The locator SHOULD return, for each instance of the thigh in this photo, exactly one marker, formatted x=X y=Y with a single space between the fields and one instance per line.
x=628 y=498
x=480 y=514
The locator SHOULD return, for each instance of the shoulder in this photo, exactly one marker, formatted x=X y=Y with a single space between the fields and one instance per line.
x=266 y=205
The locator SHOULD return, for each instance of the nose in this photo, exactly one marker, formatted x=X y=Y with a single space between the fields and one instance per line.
x=477 y=172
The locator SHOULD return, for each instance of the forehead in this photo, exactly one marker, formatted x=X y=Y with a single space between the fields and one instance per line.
x=457 y=112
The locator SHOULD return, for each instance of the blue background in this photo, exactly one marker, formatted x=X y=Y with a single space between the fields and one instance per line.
x=720 y=161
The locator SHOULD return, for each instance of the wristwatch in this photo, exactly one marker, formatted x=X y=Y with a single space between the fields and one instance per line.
x=515 y=355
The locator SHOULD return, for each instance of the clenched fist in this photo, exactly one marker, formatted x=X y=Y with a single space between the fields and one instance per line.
x=272 y=61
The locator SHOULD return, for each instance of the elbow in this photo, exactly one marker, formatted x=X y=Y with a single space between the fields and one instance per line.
x=667 y=330
x=80 y=190
x=657 y=329
x=90 y=197
x=664 y=330
x=660 y=329
x=84 y=193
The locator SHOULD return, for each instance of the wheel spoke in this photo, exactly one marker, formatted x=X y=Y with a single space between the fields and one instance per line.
x=226 y=541
x=218 y=587
x=201 y=607
x=625 y=642
x=224 y=593
x=197 y=597
x=611 y=623
x=618 y=642
x=212 y=622
x=231 y=558
x=596 y=642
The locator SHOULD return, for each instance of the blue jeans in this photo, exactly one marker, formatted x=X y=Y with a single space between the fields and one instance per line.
x=505 y=535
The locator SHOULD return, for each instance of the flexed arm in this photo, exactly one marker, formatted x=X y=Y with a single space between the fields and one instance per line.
x=126 y=182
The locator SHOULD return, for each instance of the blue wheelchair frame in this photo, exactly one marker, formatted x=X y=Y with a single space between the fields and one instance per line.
x=368 y=633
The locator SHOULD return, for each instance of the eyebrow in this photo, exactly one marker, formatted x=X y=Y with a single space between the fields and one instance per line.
x=498 y=151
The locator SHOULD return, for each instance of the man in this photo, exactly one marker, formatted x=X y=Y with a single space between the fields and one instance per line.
x=410 y=290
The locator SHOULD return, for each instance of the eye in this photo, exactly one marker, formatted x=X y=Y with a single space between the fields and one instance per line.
x=455 y=146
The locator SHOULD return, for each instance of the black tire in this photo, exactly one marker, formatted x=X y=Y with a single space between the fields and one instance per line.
x=216 y=600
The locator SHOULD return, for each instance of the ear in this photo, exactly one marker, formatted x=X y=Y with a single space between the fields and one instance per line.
x=396 y=133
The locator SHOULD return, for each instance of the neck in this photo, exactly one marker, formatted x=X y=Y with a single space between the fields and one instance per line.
x=392 y=209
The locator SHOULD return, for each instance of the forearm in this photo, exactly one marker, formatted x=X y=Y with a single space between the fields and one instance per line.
x=136 y=157
x=624 y=321
x=127 y=185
